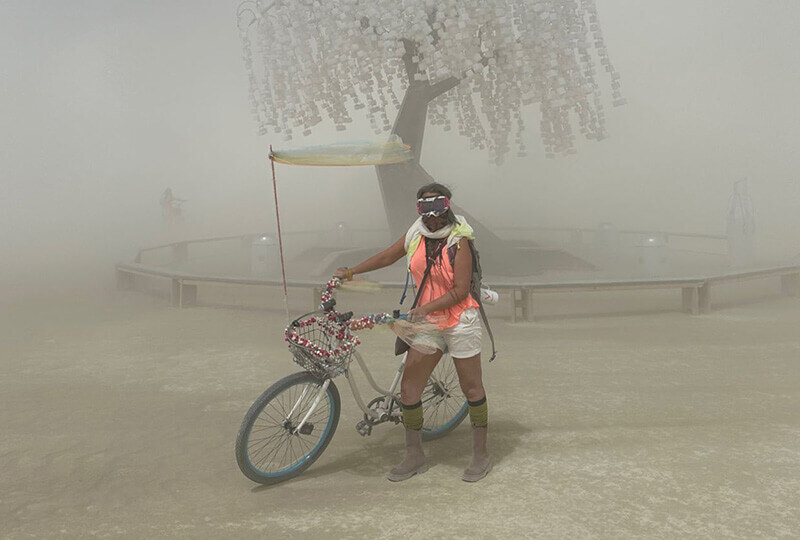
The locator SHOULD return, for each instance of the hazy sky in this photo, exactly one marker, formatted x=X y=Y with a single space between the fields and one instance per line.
x=106 y=103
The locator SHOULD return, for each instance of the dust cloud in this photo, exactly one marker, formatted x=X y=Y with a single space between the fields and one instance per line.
x=106 y=104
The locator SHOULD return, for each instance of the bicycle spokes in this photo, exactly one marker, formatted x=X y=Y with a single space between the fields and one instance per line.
x=275 y=442
x=442 y=398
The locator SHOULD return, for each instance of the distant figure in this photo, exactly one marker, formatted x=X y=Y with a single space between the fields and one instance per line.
x=342 y=234
x=170 y=207
x=741 y=226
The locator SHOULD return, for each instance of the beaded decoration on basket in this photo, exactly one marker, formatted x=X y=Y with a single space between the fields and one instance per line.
x=322 y=342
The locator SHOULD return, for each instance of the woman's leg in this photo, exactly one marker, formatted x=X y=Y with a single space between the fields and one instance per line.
x=418 y=368
x=471 y=380
x=415 y=376
x=470 y=377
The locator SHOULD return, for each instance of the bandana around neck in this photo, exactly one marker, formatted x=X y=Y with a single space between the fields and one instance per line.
x=453 y=233
x=444 y=232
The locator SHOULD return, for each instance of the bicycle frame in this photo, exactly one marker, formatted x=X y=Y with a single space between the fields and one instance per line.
x=390 y=393
x=379 y=413
x=375 y=415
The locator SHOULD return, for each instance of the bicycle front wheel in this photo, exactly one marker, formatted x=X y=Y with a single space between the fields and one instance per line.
x=269 y=447
x=444 y=405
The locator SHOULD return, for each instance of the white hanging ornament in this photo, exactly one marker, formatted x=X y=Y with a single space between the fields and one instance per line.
x=305 y=60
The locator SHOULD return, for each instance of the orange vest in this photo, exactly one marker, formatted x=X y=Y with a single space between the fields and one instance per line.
x=440 y=280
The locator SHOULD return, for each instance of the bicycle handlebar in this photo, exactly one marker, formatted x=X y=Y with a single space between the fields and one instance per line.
x=326 y=336
x=344 y=317
x=328 y=303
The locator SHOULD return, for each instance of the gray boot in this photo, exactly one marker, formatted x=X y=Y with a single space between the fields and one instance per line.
x=414 y=462
x=480 y=464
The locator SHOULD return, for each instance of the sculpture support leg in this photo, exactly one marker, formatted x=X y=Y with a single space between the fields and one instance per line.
x=704 y=298
x=691 y=300
x=790 y=284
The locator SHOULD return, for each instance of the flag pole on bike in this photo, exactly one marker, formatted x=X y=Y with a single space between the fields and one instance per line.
x=339 y=154
x=280 y=236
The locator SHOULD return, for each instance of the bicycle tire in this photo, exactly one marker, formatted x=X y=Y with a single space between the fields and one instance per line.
x=256 y=472
x=445 y=377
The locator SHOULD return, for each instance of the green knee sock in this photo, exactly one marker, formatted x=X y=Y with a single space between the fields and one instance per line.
x=412 y=416
x=479 y=412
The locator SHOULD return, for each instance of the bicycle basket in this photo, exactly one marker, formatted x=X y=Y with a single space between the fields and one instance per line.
x=321 y=344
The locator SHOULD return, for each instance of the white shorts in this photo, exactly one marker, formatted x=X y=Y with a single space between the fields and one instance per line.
x=462 y=340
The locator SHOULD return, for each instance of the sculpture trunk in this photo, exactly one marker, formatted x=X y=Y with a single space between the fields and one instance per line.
x=399 y=182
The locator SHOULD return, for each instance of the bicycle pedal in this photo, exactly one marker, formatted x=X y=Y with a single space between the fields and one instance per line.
x=364 y=429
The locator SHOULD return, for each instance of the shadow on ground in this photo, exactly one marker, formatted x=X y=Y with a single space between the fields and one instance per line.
x=379 y=454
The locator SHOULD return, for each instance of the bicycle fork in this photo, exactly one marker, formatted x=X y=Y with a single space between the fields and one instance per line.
x=379 y=414
x=317 y=399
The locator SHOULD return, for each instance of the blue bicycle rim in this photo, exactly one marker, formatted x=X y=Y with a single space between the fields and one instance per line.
x=448 y=425
x=302 y=460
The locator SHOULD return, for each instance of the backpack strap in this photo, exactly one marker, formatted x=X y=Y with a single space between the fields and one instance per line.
x=488 y=329
x=451 y=253
x=477 y=296
x=430 y=261
x=405 y=288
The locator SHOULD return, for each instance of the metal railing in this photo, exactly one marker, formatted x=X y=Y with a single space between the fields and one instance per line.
x=181 y=247
x=695 y=291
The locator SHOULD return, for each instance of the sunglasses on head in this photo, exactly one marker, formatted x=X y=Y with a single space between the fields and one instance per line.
x=433 y=206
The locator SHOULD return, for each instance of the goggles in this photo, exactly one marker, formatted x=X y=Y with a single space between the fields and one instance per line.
x=433 y=206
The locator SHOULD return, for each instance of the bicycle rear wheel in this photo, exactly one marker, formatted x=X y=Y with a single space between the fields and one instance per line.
x=444 y=405
x=268 y=447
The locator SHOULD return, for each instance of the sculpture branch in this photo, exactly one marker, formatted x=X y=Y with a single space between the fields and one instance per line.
x=449 y=83
x=441 y=87
x=411 y=66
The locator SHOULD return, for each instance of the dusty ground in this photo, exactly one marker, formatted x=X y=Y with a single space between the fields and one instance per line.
x=119 y=420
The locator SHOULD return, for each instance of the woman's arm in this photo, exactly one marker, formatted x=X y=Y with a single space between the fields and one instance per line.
x=387 y=257
x=462 y=280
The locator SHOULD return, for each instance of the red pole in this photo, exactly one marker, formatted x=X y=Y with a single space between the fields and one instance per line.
x=280 y=236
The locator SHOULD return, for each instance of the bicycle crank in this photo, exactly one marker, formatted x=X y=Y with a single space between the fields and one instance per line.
x=381 y=415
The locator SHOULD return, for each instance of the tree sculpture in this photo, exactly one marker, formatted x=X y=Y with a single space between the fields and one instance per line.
x=477 y=61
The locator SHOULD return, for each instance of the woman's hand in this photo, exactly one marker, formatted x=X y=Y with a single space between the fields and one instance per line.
x=343 y=273
x=417 y=314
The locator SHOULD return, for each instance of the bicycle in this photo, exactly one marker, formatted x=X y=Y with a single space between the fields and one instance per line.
x=291 y=424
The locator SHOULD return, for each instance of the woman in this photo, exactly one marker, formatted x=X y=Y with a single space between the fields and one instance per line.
x=441 y=239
